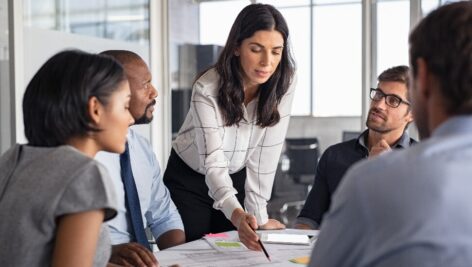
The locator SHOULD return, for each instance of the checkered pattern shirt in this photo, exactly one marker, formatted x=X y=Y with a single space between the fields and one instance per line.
x=215 y=150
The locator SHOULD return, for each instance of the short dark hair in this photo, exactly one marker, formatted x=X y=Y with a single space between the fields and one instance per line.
x=122 y=56
x=55 y=103
x=397 y=74
x=253 y=18
x=444 y=40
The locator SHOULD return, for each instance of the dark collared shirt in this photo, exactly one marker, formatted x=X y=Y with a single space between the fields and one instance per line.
x=332 y=166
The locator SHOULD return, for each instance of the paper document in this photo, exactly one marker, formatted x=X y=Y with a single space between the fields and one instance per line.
x=212 y=259
x=225 y=249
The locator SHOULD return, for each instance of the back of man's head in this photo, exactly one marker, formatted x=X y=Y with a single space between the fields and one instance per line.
x=122 y=56
x=443 y=39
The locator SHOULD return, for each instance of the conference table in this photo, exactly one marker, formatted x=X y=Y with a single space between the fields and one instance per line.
x=229 y=252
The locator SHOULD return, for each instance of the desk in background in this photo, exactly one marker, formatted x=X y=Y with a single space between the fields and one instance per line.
x=199 y=253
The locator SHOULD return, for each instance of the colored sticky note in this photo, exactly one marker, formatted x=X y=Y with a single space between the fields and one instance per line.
x=226 y=244
x=219 y=235
x=301 y=260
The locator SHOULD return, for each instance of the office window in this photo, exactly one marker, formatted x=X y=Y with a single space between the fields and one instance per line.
x=286 y=3
x=337 y=59
x=428 y=5
x=325 y=51
x=297 y=19
x=126 y=20
x=216 y=19
x=393 y=27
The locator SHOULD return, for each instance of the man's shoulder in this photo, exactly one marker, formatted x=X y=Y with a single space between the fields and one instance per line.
x=141 y=147
x=69 y=157
x=343 y=147
x=136 y=139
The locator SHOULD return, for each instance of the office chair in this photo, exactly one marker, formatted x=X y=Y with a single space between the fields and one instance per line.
x=303 y=155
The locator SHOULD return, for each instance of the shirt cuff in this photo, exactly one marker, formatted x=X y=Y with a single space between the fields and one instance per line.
x=307 y=221
x=163 y=227
x=261 y=216
x=229 y=205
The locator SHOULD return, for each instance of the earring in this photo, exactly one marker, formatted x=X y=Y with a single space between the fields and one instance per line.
x=236 y=54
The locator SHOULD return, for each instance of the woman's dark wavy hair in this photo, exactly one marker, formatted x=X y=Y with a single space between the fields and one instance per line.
x=55 y=104
x=253 y=18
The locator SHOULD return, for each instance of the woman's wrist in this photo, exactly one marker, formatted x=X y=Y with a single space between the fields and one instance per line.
x=237 y=216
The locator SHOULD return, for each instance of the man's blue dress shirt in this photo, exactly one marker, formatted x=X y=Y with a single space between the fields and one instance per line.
x=158 y=209
x=410 y=207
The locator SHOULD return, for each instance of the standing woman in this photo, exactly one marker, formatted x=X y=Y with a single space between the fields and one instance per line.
x=54 y=197
x=222 y=165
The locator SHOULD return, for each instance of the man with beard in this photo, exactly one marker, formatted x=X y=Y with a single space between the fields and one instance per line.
x=413 y=207
x=143 y=199
x=387 y=121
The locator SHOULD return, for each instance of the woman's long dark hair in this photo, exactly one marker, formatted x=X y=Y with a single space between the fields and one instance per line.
x=253 y=18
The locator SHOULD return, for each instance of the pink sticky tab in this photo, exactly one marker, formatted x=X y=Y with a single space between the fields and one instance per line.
x=220 y=235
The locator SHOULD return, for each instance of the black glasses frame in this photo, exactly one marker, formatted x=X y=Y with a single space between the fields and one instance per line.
x=375 y=91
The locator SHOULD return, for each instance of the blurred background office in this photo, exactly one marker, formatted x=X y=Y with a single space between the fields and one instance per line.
x=340 y=47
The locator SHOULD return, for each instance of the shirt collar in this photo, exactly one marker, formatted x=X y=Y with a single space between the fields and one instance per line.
x=361 y=139
x=403 y=142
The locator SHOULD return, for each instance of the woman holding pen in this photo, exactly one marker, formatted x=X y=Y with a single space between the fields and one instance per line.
x=221 y=169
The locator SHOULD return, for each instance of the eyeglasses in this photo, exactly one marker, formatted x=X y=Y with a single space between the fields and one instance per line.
x=393 y=101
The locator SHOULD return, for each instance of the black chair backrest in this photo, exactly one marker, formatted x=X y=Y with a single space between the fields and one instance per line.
x=303 y=154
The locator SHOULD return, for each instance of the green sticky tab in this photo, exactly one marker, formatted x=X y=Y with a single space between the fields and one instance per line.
x=225 y=244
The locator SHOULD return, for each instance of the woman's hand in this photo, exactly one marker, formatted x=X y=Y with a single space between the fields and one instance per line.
x=272 y=224
x=246 y=225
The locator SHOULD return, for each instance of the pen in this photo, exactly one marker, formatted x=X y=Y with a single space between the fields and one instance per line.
x=263 y=249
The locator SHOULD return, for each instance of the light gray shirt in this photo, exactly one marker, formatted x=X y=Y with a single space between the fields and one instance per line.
x=212 y=149
x=47 y=183
x=158 y=210
x=405 y=208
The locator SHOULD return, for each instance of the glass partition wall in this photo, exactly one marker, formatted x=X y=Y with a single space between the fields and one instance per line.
x=125 y=20
x=6 y=133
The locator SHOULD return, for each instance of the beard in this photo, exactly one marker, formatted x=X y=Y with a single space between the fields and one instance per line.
x=145 y=119
x=376 y=127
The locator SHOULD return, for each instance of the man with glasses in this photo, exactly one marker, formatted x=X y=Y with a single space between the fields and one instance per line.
x=388 y=118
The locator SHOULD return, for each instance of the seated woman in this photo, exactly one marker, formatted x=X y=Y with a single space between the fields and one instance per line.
x=54 y=197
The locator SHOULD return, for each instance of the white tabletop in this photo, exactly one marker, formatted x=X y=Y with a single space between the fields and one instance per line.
x=200 y=253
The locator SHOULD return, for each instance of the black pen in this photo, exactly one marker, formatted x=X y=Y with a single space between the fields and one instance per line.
x=263 y=248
